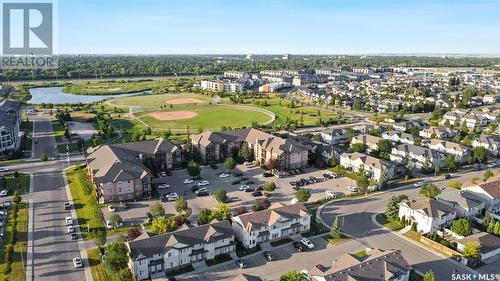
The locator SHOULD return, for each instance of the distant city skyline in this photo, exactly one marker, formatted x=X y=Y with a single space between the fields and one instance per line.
x=276 y=26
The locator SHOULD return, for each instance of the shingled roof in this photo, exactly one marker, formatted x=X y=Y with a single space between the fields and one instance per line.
x=268 y=217
x=144 y=246
x=430 y=207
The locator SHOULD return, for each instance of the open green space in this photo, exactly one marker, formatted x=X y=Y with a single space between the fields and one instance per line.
x=115 y=87
x=392 y=225
x=84 y=201
x=19 y=254
x=13 y=184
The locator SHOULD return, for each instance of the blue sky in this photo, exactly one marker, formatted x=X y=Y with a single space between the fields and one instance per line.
x=278 y=26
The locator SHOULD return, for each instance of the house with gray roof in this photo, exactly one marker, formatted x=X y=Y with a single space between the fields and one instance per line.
x=277 y=222
x=430 y=215
x=170 y=251
x=419 y=155
x=10 y=122
x=377 y=265
x=123 y=172
x=466 y=203
x=491 y=143
x=400 y=137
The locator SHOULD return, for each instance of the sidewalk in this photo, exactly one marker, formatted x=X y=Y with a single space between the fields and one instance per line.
x=83 y=253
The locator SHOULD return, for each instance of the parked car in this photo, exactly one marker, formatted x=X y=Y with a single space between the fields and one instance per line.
x=203 y=183
x=352 y=188
x=73 y=236
x=299 y=246
x=243 y=187
x=321 y=267
x=163 y=186
x=447 y=176
x=237 y=174
x=109 y=225
x=268 y=256
x=202 y=193
x=69 y=220
x=256 y=193
x=188 y=181
x=71 y=229
x=247 y=182
x=172 y=196
x=260 y=188
x=267 y=174
x=249 y=189
x=235 y=182
x=149 y=216
x=418 y=184
x=194 y=188
x=243 y=178
x=240 y=263
x=163 y=174
x=306 y=275
x=307 y=243
x=203 y=189
x=4 y=169
x=4 y=193
x=67 y=205
x=248 y=163
x=333 y=193
x=77 y=262
x=223 y=175
x=111 y=209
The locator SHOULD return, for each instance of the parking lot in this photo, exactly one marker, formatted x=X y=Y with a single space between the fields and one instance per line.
x=285 y=258
x=284 y=193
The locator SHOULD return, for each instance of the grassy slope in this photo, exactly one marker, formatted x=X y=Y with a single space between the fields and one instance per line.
x=17 y=273
x=87 y=211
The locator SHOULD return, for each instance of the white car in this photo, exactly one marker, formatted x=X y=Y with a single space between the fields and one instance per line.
x=71 y=229
x=111 y=209
x=203 y=183
x=163 y=174
x=77 y=262
x=306 y=275
x=223 y=175
x=243 y=187
x=333 y=193
x=248 y=163
x=352 y=188
x=163 y=186
x=203 y=189
x=418 y=184
x=172 y=196
x=188 y=181
x=109 y=225
x=307 y=243
x=4 y=169
x=69 y=220
x=4 y=193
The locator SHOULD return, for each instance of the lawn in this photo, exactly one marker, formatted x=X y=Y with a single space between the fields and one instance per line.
x=360 y=254
x=413 y=235
x=84 y=200
x=333 y=241
x=11 y=183
x=219 y=259
x=316 y=228
x=17 y=273
x=121 y=86
x=97 y=268
x=392 y=225
x=58 y=130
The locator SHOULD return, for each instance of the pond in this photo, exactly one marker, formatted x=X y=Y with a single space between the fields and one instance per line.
x=55 y=95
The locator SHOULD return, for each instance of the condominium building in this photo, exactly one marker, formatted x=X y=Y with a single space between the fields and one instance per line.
x=10 y=122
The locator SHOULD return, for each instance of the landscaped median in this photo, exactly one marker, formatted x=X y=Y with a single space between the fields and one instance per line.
x=14 y=245
x=84 y=201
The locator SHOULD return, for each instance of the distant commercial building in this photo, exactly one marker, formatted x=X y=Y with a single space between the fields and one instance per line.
x=286 y=57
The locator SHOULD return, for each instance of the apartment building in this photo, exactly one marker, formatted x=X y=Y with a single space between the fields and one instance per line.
x=420 y=156
x=10 y=122
x=123 y=172
x=277 y=222
x=460 y=152
x=430 y=215
x=377 y=265
x=165 y=252
x=335 y=136
x=372 y=166
x=370 y=141
x=214 y=85
x=216 y=146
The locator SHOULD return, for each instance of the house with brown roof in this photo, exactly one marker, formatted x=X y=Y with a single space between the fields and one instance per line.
x=165 y=252
x=489 y=245
x=123 y=172
x=277 y=222
x=370 y=141
x=372 y=166
x=439 y=132
x=461 y=152
x=430 y=215
x=489 y=191
x=216 y=146
x=377 y=265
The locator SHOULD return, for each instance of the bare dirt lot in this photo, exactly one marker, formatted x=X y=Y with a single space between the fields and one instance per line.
x=174 y=115
x=184 y=101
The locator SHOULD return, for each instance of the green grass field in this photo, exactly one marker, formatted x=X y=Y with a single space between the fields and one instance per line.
x=121 y=86
x=17 y=273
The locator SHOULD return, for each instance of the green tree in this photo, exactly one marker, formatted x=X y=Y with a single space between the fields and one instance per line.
x=100 y=237
x=16 y=198
x=43 y=157
x=336 y=231
x=358 y=147
x=429 y=276
x=384 y=145
x=244 y=153
x=222 y=212
x=204 y=216
x=181 y=204
x=480 y=153
x=220 y=195
x=116 y=257
x=430 y=190
x=496 y=229
x=384 y=178
x=292 y=276
x=157 y=210
x=115 y=220
x=455 y=184
x=392 y=207
x=193 y=169
x=162 y=225
x=471 y=250
x=303 y=195
x=450 y=163
x=362 y=183
x=461 y=227
x=488 y=174
x=269 y=186
x=436 y=170
x=230 y=163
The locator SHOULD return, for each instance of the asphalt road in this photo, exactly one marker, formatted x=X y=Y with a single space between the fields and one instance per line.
x=355 y=215
x=53 y=250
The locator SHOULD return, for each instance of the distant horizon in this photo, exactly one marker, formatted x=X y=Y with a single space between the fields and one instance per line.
x=486 y=55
